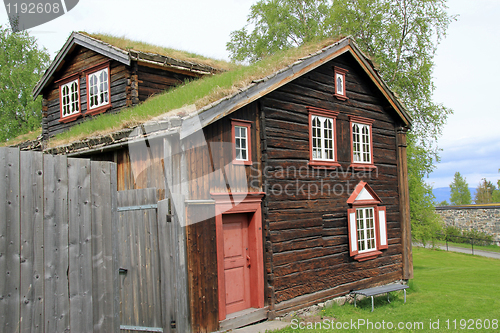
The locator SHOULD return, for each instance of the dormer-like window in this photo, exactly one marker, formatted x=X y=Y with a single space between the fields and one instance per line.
x=69 y=100
x=98 y=89
x=340 y=86
x=367 y=224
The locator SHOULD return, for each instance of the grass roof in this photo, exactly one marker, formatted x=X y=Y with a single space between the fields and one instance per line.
x=126 y=44
x=201 y=92
x=30 y=136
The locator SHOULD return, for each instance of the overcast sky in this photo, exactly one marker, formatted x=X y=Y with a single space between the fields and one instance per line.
x=466 y=71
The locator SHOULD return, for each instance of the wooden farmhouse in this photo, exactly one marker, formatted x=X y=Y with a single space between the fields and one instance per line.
x=287 y=191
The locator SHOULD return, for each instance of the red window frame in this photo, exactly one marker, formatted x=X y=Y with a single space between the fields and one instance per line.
x=314 y=111
x=90 y=71
x=380 y=217
x=342 y=72
x=62 y=82
x=248 y=125
x=361 y=166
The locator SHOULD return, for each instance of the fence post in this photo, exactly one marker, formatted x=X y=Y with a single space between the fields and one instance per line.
x=472 y=243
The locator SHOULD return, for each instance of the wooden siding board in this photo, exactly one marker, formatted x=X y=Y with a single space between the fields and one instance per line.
x=10 y=233
x=56 y=243
x=80 y=246
x=202 y=275
x=104 y=273
x=32 y=249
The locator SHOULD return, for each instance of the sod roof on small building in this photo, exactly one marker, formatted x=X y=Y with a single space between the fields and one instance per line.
x=125 y=51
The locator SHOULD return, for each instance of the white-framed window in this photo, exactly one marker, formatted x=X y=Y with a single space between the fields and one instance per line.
x=98 y=88
x=70 y=98
x=241 y=138
x=339 y=84
x=339 y=75
x=361 y=143
x=366 y=223
x=241 y=143
x=322 y=140
x=322 y=133
x=365 y=218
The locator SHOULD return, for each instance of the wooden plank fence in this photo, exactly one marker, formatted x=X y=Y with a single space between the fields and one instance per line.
x=153 y=283
x=58 y=236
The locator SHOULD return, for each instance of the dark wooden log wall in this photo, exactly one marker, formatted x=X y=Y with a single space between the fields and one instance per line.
x=306 y=231
x=154 y=80
x=80 y=60
x=202 y=269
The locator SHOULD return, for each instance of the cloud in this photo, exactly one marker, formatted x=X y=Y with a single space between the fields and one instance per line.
x=475 y=158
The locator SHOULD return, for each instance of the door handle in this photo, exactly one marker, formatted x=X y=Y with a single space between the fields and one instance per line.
x=248 y=260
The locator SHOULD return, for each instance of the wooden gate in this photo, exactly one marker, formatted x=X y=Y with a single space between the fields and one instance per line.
x=153 y=295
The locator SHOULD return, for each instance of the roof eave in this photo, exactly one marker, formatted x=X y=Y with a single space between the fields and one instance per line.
x=227 y=105
x=85 y=41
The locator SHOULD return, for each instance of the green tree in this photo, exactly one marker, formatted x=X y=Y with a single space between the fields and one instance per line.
x=443 y=203
x=401 y=36
x=460 y=193
x=496 y=193
x=22 y=63
x=484 y=192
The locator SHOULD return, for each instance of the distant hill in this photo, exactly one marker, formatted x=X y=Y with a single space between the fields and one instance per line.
x=443 y=193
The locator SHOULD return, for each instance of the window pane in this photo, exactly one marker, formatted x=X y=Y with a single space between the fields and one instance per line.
x=340 y=84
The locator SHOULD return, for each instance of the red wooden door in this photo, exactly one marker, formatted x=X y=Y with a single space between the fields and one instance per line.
x=236 y=262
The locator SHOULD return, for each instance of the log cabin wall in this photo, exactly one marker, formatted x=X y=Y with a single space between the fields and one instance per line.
x=80 y=60
x=155 y=79
x=306 y=232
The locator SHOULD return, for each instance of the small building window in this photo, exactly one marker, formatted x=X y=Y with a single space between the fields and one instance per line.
x=340 y=83
x=69 y=92
x=322 y=137
x=367 y=224
x=241 y=138
x=98 y=89
x=366 y=229
x=361 y=143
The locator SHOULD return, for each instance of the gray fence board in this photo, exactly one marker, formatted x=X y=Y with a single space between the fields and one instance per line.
x=80 y=249
x=3 y=238
x=174 y=281
x=32 y=249
x=168 y=275
x=56 y=244
x=11 y=235
x=104 y=274
x=140 y=285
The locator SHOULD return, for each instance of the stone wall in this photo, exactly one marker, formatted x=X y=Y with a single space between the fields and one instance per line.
x=480 y=218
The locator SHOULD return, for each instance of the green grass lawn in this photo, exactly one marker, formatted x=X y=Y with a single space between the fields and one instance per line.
x=491 y=248
x=460 y=290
